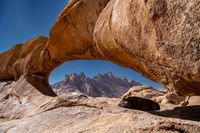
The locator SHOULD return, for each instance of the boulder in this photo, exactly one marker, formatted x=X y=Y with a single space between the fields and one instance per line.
x=143 y=91
x=171 y=98
x=139 y=103
x=157 y=38
x=194 y=100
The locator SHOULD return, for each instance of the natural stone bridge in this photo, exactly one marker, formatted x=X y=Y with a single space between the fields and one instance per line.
x=157 y=38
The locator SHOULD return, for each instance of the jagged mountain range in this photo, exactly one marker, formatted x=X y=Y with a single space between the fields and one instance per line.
x=101 y=85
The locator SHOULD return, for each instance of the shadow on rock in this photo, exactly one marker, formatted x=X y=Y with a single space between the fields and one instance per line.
x=188 y=113
x=139 y=103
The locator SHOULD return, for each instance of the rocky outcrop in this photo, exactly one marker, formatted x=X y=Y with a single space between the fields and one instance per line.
x=28 y=61
x=14 y=61
x=72 y=112
x=98 y=115
x=143 y=91
x=171 y=98
x=21 y=100
x=120 y=32
x=158 y=38
x=166 y=100
x=102 y=85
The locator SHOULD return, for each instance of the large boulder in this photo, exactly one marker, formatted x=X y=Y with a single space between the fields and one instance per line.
x=143 y=91
x=171 y=98
x=158 y=38
x=139 y=103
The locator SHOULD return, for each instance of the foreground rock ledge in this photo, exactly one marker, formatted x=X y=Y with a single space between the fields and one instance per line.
x=74 y=112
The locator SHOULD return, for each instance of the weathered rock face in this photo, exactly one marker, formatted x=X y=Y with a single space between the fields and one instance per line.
x=79 y=113
x=158 y=38
x=20 y=100
x=102 y=85
x=30 y=61
x=14 y=61
x=71 y=37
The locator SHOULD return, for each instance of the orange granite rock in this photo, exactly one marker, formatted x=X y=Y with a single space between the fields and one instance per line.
x=158 y=38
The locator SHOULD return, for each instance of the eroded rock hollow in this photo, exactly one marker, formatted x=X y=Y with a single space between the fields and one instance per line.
x=157 y=38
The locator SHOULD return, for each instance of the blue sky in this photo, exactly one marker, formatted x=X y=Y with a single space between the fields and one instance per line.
x=21 y=20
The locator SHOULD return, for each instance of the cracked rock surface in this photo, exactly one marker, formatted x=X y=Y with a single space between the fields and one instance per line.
x=31 y=111
x=74 y=113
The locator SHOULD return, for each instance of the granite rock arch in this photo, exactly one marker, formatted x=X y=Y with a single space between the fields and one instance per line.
x=133 y=34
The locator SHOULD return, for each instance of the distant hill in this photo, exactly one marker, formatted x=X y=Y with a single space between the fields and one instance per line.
x=102 y=85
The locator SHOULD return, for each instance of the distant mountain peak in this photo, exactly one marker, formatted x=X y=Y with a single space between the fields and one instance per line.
x=103 y=84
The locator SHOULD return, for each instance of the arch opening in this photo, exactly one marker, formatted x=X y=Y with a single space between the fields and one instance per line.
x=96 y=78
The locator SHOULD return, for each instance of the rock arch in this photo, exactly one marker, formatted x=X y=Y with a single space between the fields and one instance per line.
x=157 y=38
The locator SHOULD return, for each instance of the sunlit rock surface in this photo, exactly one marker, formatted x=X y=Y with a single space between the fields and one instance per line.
x=157 y=38
x=75 y=112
